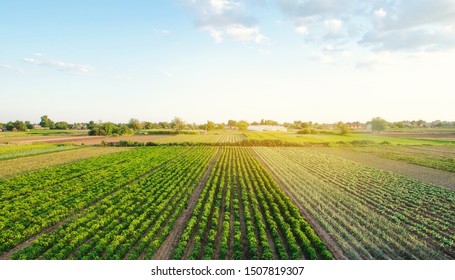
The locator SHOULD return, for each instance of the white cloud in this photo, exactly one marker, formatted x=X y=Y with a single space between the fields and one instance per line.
x=302 y=30
x=31 y=60
x=217 y=35
x=69 y=68
x=220 y=18
x=333 y=26
x=10 y=68
x=321 y=57
x=239 y=32
x=405 y=25
x=380 y=13
x=219 y=6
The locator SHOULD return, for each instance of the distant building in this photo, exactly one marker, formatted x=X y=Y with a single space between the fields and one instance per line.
x=267 y=128
x=37 y=126
x=356 y=125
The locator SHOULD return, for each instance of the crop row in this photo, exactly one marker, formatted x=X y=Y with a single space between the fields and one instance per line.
x=14 y=167
x=243 y=214
x=33 y=202
x=371 y=214
x=131 y=222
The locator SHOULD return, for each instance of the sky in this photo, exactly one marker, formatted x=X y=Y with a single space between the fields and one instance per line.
x=285 y=60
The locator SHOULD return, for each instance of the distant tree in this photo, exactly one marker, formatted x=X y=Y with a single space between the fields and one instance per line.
x=164 y=125
x=344 y=128
x=210 y=125
x=28 y=125
x=134 y=124
x=61 y=125
x=232 y=123
x=306 y=125
x=220 y=126
x=46 y=122
x=9 y=126
x=91 y=125
x=305 y=130
x=147 y=125
x=378 y=124
x=242 y=125
x=2 y=125
x=18 y=125
x=178 y=124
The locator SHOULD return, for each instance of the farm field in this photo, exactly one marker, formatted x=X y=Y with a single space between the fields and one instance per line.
x=371 y=214
x=82 y=139
x=243 y=214
x=10 y=151
x=334 y=139
x=219 y=201
x=438 y=157
x=12 y=167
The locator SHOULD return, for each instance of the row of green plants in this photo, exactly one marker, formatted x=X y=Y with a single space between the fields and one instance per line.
x=33 y=202
x=130 y=223
x=371 y=214
x=238 y=208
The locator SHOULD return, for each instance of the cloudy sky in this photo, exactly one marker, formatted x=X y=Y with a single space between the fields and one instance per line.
x=320 y=60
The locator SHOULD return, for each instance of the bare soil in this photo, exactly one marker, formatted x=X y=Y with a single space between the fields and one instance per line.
x=166 y=249
x=84 y=140
x=420 y=173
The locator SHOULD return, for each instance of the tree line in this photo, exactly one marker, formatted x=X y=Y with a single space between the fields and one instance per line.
x=178 y=125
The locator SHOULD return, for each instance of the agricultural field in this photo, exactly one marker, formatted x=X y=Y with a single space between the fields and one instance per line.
x=220 y=201
x=16 y=166
x=371 y=214
x=10 y=151
x=438 y=157
x=243 y=214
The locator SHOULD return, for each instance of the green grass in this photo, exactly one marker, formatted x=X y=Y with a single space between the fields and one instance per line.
x=41 y=132
x=438 y=157
x=335 y=138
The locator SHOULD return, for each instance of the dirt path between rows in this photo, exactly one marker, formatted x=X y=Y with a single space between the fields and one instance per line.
x=420 y=173
x=166 y=249
x=331 y=244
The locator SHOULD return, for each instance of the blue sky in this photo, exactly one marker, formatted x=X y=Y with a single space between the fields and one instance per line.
x=285 y=60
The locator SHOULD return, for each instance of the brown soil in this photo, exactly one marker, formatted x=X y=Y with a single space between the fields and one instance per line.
x=331 y=244
x=166 y=249
x=84 y=140
x=421 y=173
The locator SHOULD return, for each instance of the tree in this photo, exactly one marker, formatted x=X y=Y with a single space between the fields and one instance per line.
x=220 y=126
x=147 y=125
x=9 y=126
x=344 y=128
x=232 y=123
x=164 y=125
x=134 y=124
x=28 y=125
x=61 y=125
x=210 y=125
x=378 y=124
x=46 y=122
x=17 y=125
x=242 y=125
x=178 y=124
